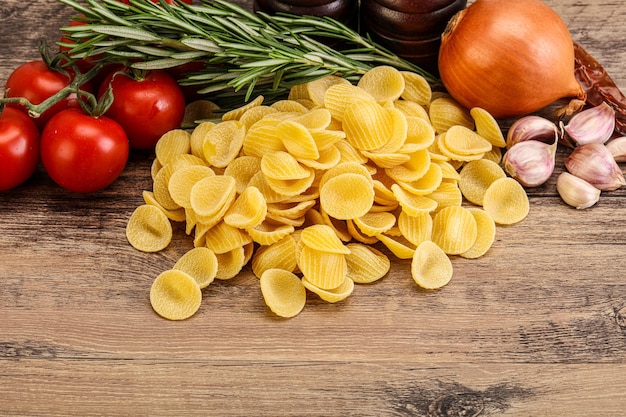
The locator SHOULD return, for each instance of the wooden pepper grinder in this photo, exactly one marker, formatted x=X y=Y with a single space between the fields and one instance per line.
x=344 y=11
x=410 y=28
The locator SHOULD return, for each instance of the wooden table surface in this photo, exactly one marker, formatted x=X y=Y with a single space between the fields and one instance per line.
x=537 y=327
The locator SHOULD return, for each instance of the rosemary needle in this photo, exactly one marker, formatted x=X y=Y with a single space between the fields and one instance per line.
x=244 y=52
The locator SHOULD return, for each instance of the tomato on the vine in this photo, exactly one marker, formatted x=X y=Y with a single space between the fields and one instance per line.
x=36 y=82
x=146 y=107
x=19 y=148
x=83 y=153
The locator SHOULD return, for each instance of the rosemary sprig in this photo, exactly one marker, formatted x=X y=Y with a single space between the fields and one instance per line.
x=244 y=52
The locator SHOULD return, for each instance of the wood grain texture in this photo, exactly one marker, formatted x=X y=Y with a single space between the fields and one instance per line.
x=537 y=327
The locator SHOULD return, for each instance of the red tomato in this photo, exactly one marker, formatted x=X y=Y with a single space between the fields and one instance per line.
x=36 y=82
x=156 y=1
x=19 y=148
x=146 y=108
x=82 y=153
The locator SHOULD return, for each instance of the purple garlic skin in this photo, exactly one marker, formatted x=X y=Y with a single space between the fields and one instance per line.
x=530 y=162
x=594 y=163
x=594 y=125
x=531 y=128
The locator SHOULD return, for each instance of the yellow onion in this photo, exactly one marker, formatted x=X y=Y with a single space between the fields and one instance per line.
x=510 y=57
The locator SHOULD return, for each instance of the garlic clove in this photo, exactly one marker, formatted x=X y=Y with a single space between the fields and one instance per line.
x=531 y=128
x=530 y=162
x=594 y=163
x=594 y=125
x=576 y=192
x=617 y=147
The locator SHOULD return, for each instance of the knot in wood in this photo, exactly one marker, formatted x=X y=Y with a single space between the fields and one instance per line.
x=620 y=318
x=466 y=404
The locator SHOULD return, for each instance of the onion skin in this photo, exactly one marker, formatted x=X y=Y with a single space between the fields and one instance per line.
x=510 y=57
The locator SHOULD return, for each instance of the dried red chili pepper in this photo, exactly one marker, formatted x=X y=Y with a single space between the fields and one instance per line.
x=599 y=86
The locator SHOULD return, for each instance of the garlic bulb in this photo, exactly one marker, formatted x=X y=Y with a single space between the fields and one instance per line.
x=576 y=192
x=594 y=163
x=530 y=162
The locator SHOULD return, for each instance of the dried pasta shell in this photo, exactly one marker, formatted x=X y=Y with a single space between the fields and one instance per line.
x=259 y=181
x=387 y=160
x=283 y=166
x=223 y=238
x=177 y=215
x=413 y=204
x=373 y=224
x=242 y=169
x=196 y=140
x=329 y=157
x=289 y=106
x=325 y=270
x=248 y=210
x=322 y=238
x=315 y=119
x=279 y=255
x=486 y=233
x=347 y=196
x=448 y=172
x=412 y=109
x=399 y=132
x=283 y=292
x=340 y=96
x=445 y=112
x=162 y=179
x=366 y=264
x=417 y=228
x=200 y=263
x=357 y=235
x=367 y=124
x=262 y=138
x=416 y=89
x=476 y=177
x=454 y=230
x=198 y=110
x=182 y=181
x=349 y=153
x=175 y=295
x=266 y=233
x=339 y=226
x=236 y=114
x=231 y=263
x=412 y=170
x=487 y=127
x=398 y=245
x=420 y=135
x=326 y=138
x=316 y=90
x=223 y=143
x=506 y=201
x=427 y=184
x=463 y=141
x=297 y=139
x=148 y=229
x=253 y=115
x=172 y=143
x=293 y=187
x=383 y=82
x=345 y=168
x=331 y=295
x=448 y=194
x=431 y=268
x=210 y=195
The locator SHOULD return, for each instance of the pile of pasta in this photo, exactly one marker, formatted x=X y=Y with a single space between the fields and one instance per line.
x=316 y=189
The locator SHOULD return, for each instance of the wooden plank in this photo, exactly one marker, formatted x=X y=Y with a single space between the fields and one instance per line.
x=309 y=388
x=537 y=327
